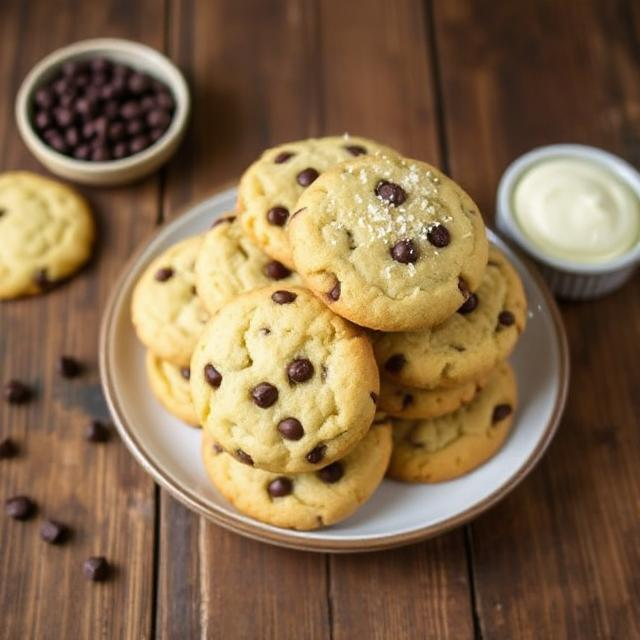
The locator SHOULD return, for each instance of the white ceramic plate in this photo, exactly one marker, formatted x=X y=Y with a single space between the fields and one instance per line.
x=398 y=513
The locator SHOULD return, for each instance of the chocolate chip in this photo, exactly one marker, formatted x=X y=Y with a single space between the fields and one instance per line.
x=20 y=508
x=374 y=397
x=185 y=372
x=130 y=110
x=316 y=454
x=69 y=367
x=506 y=318
x=501 y=411
x=165 y=101
x=212 y=376
x=97 y=431
x=63 y=116
x=134 y=127
x=407 y=400
x=356 y=149
x=334 y=294
x=8 y=449
x=82 y=152
x=53 y=532
x=291 y=428
x=2 y=211
x=469 y=304
x=138 y=83
x=100 y=65
x=283 y=156
x=463 y=288
x=16 y=392
x=244 y=457
x=96 y=569
x=44 y=98
x=283 y=297
x=120 y=150
x=42 y=120
x=404 y=251
x=395 y=363
x=138 y=144
x=391 y=192
x=41 y=278
x=163 y=274
x=264 y=395
x=306 y=177
x=277 y=216
x=300 y=370
x=116 y=131
x=265 y=331
x=439 y=236
x=100 y=154
x=280 y=487
x=158 y=118
x=276 y=270
x=218 y=221
x=331 y=473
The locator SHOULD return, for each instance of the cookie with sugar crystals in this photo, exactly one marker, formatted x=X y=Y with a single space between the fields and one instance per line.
x=271 y=186
x=283 y=383
x=389 y=243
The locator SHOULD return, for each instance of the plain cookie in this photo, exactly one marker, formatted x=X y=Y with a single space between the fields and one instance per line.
x=307 y=500
x=46 y=233
x=283 y=383
x=389 y=243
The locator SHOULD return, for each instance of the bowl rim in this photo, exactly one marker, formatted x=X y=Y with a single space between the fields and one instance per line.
x=256 y=530
x=172 y=77
x=512 y=174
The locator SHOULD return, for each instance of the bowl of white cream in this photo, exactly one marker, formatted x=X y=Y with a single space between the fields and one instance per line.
x=576 y=210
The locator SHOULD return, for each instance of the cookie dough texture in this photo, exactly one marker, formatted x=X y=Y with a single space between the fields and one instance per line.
x=467 y=345
x=365 y=240
x=229 y=264
x=167 y=314
x=244 y=394
x=312 y=501
x=46 y=233
x=170 y=385
x=444 y=448
x=276 y=179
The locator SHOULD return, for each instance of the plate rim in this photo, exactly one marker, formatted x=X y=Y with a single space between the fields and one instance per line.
x=254 y=529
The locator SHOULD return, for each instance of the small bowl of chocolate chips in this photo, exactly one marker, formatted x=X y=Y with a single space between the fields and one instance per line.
x=103 y=112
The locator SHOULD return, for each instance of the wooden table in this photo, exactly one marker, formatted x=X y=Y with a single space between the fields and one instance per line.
x=465 y=85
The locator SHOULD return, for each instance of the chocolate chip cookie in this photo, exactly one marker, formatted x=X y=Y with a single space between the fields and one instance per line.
x=307 y=500
x=444 y=448
x=482 y=332
x=229 y=264
x=46 y=233
x=170 y=384
x=282 y=383
x=271 y=186
x=389 y=243
x=167 y=314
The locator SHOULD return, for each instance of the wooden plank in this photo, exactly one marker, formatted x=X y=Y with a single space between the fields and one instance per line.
x=98 y=490
x=251 y=69
x=559 y=558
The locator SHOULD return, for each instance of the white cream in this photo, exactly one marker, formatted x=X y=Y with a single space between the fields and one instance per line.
x=577 y=210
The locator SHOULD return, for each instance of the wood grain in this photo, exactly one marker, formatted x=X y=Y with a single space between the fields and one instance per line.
x=98 y=490
x=559 y=557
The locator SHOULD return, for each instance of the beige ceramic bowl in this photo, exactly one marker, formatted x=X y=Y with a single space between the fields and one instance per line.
x=112 y=172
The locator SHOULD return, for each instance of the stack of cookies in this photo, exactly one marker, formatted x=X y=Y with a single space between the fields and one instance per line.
x=348 y=320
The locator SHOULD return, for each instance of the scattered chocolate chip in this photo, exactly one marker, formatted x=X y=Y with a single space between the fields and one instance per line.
x=291 y=428
x=53 y=532
x=42 y=280
x=280 y=487
x=164 y=274
x=276 y=270
x=212 y=376
x=316 y=454
x=300 y=370
x=277 y=216
x=20 y=508
x=264 y=395
x=356 y=149
x=331 y=473
x=501 y=411
x=185 y=372
x=334 y=294
x=283 y=297
x=16 y=392
x=395 y=363
x=283 y=156
x=69 y=367
x=96 y=569
x=265 y=331
x=8 y=449
x=439 y=236
x=244 y=457
x=97 y=431
x=306 y=177
x=506 y=318
x=374 y=397
x=407 y=400
x=218 y=221
x=469 y=304
x=391 y=192
x=405 y=251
